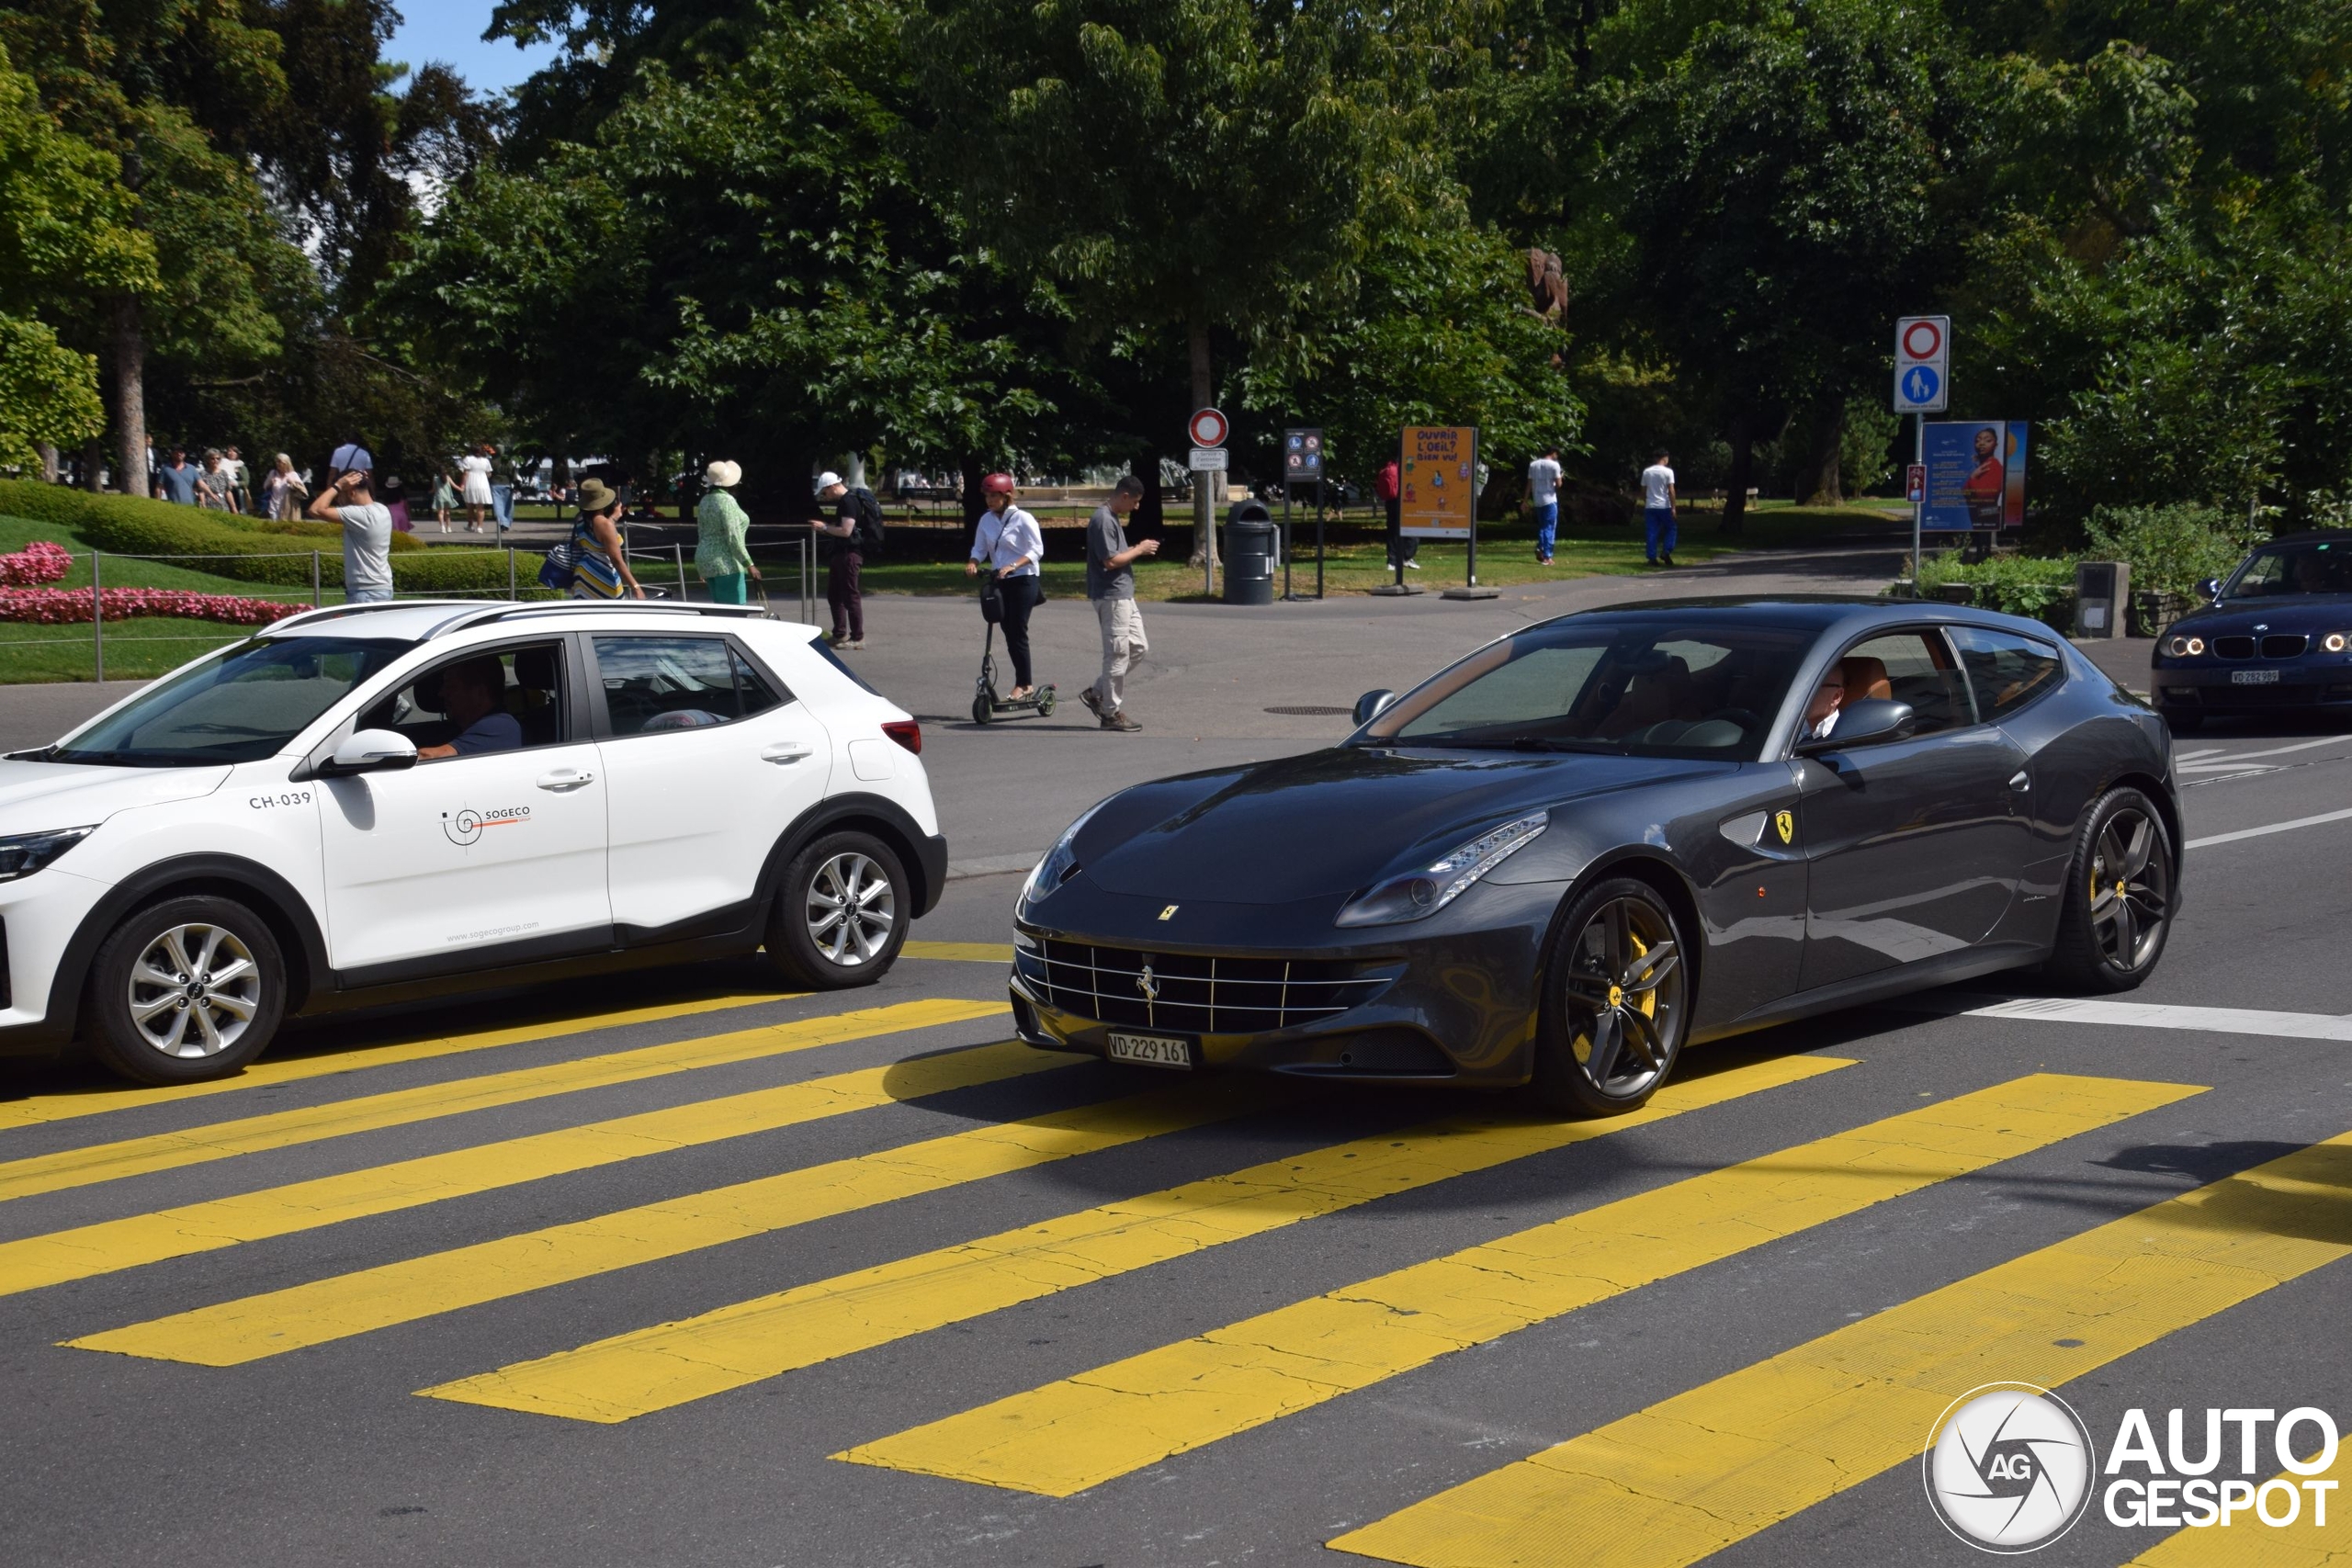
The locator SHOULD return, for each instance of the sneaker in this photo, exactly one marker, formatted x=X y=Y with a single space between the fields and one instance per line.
x=1412 y=565
x=1094 y=703
x=835 y=640
x=1667 y=558
x=856 y=645
x=1121 y=722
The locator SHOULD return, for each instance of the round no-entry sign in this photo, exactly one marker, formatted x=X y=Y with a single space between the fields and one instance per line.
x=1922 y=340
x=1208 y=428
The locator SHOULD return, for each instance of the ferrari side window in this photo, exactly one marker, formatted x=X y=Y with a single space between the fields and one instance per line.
x=1911 y=667
x=2006 y=671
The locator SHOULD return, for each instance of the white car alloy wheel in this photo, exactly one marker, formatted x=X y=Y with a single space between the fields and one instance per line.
x=850 y=909
x=194 y=991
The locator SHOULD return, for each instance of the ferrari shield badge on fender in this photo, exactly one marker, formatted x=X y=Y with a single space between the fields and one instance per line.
x=1785 y=824
x=1169 y=913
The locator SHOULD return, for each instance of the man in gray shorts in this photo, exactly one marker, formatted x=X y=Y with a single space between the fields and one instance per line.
x=1111 y=586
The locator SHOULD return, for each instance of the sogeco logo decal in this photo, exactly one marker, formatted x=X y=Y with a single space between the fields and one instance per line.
x=2009 y=1467
x=466 y=825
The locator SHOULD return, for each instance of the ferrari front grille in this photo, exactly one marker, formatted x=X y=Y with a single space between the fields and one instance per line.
x=1192 y=994
x=2278 y=647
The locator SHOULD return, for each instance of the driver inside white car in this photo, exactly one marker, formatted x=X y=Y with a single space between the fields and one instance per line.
x=473 y=695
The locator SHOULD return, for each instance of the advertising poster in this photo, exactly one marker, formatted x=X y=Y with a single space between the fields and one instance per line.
x=1440 y=491
x=1975 y=475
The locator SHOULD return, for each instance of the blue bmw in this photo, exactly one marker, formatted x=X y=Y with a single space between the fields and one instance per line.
x=2276 y=636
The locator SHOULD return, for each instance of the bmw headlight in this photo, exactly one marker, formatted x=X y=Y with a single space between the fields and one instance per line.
x=2185 y=646
x=2336 y=642
x=1060 y=862
x=27 y=853
x=1417 y=895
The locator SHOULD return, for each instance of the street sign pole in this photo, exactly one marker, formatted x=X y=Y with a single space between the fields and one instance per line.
x=1208 y=428
x=1922 y=387
x=1919 y=507
x=1318 y=536
x=1287 y=595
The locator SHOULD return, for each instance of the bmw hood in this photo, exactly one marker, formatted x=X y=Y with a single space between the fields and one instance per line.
x=38 y=797
x=2290 y=612
x=1330 y=822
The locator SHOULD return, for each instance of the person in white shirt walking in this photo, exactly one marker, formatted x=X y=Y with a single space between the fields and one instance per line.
x=1543 y=496
x=1658 y=511
x=1008 y=541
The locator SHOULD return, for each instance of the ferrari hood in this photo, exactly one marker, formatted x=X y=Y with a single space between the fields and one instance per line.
x=1330 y=822
x=36 y=797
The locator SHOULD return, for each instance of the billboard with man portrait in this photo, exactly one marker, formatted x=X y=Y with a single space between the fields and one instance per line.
x=1975 y=475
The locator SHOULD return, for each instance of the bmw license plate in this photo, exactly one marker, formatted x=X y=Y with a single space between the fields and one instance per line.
x=1151 y=1050
x=2254 y=677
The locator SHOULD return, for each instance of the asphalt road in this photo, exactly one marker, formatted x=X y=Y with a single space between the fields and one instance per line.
x=655 y=1255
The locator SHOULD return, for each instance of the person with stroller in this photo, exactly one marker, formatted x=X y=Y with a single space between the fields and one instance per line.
x=1009 y=542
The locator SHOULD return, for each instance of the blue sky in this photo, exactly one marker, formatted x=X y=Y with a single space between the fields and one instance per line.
x=450 y=31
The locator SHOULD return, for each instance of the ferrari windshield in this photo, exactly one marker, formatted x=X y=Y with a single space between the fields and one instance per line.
x=2316 y=565
x=1648 y=686
x=244 y=702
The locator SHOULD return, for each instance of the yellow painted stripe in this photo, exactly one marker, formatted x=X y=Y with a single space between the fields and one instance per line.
x=1081 y=1432
x=108 y=1245
x=654 y=1369
x=1668 y=1486
x=66 y=1105
x=257 y=1326
x=2247 y=1542
x=283 y=1129
x=966 y=951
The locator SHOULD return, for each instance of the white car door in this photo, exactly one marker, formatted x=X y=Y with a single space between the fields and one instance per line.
x=494 y=855
x=707 y=760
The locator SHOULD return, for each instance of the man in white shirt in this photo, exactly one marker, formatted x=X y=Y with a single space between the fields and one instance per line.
x=366 y=537
x=1008 y=539
x=1543 y=496
x=1658 y=510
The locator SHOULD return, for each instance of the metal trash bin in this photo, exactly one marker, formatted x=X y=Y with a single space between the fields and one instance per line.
x=1249 y=535
x=2102 y=592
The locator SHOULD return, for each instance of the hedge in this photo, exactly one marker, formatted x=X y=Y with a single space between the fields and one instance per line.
x=2037 y=587
x=248 y=550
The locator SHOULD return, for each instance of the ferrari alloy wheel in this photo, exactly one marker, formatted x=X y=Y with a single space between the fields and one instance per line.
x=839 y=917
x=1618 y=1005
x=2119 y=896
x=185 y=990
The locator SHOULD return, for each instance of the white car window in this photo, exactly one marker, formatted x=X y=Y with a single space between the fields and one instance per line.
x=653 y=683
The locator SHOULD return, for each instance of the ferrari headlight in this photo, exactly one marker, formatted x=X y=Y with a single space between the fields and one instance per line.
x=1417 y=895
x=2185 y=646
x=27 y=853
x=2336 y=642
x=1060 y=862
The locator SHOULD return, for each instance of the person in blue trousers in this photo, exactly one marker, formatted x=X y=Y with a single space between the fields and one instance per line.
x=1543 y=500
x=1658 y=511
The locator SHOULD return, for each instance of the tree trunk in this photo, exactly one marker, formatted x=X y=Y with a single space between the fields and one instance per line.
x=1203 y=395
x=1152 y=512
x=1742 y=465
x=975 y=470
x=93 y=465
x=48 y=464
x=1824 y=483
x=130 y=396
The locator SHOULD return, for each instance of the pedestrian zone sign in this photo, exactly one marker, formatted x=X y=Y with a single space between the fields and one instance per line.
x=1922 y=363
x=1302 y=455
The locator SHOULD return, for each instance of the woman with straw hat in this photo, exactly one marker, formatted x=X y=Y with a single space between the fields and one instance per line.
x=721 y=557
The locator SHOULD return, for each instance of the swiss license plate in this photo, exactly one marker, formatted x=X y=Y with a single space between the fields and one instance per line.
x=1151 y=1050
x=2254 y=677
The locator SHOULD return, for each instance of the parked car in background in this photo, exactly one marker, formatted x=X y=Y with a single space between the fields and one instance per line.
x=2274 y=636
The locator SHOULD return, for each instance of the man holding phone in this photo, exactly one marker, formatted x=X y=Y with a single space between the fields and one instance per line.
x=1111 y=584
x=367 y=536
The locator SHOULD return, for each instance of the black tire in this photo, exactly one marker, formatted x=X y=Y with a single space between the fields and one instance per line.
x=1602 y=1046
x=2118 y=909
x=1046 y=702
x=2183 y=723
x=854 y=950
x=166 y=1021
x=981 y=711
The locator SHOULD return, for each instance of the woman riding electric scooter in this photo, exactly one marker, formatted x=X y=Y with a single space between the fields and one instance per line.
x=1009 y=542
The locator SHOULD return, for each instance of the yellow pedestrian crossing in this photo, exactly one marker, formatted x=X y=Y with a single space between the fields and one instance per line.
x=962 y=952
x=57 y=1257
x=655 y=1368
x=283 y=1129
x=66 y=1105
x=1081 y=1432
x=1668 y=1485
x=257 y=1326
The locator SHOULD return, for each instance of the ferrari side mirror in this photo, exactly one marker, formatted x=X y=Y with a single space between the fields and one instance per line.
x=1369 y=705
x=1863 y=722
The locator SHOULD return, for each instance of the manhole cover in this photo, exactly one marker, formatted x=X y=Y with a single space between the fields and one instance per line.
x=1312 y=712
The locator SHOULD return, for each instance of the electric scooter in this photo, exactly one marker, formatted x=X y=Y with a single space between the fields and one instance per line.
x=986 y=706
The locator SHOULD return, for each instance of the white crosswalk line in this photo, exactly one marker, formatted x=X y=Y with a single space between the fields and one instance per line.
x=2133 y=1015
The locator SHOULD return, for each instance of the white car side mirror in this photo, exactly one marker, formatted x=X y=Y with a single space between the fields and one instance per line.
x=369 y=752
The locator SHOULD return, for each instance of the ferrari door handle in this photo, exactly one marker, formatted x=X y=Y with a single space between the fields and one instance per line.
x=784 y=753
x=565 y=778
x=2019 y=783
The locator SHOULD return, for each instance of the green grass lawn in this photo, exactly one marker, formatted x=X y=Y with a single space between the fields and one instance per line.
x=1506 y=555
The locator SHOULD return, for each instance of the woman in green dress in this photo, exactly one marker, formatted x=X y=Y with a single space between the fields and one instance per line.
x=721 y=559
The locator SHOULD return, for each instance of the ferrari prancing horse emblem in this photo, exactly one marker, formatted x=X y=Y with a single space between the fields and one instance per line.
x=1169 y=913
x=1785 y=823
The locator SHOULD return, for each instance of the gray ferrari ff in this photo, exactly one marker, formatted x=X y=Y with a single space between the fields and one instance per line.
x=1598 y=839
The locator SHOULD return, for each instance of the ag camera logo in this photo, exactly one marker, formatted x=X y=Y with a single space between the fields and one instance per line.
x=2009 y=1467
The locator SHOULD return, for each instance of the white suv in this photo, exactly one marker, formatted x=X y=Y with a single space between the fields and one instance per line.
x=366 y=804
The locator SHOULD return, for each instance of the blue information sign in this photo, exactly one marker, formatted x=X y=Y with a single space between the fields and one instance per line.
x=1975 y=475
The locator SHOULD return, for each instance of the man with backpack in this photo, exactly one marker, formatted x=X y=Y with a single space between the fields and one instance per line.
x=842 y=545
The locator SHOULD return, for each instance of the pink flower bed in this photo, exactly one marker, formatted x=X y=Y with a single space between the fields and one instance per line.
x=40 y=561
x=65 y=607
